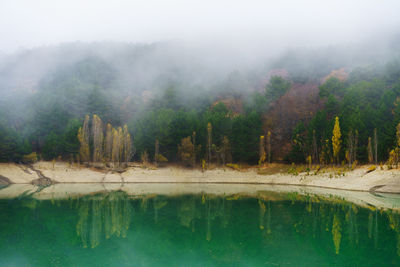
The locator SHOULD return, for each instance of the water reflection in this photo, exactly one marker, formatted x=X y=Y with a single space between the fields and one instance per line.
x=103 y=215
x=117 y=214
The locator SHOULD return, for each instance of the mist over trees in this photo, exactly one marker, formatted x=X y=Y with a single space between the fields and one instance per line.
x=165 y=92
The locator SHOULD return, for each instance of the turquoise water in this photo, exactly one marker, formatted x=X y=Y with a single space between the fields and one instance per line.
x=115 y=229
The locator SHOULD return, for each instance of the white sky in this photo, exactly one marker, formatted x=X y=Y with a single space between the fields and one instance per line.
x=31 y=23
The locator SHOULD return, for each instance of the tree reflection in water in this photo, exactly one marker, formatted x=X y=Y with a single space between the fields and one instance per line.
x=103 y=214
x=106 y=215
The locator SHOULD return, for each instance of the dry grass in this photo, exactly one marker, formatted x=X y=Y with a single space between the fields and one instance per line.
x=273 y=168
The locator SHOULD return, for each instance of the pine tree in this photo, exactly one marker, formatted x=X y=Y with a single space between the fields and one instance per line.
x=336 y=142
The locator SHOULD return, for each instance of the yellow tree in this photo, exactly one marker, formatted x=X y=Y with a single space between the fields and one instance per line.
x=398 y=134
x=83 y=137
x=394 y=155
x=369 y=149
x=185 y=151
x=336 y=141
x=121 y=144
x=97 y=130
x=209 y=141
x=127 y=145
x=115 y=146
x=194 y=147
x=108 y=143
x=262 y=150
x=269 y=146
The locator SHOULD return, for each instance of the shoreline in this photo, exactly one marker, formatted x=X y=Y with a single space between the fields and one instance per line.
x=232 y=191
x=379 y=181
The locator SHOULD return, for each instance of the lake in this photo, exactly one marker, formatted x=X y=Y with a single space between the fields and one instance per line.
x=213 y=225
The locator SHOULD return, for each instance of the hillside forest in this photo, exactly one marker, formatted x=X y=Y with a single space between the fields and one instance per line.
x=118 y=107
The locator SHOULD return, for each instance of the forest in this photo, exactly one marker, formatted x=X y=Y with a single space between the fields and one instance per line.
x=92 y=108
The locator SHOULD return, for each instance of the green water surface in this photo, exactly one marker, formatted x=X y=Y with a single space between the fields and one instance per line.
x=115 y=229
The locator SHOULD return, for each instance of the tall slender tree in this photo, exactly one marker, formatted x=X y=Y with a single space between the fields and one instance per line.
x=83 y=137
x=350 y=147
x=97 y=131
x=269 y=146
x=194 y=148
x=369 y=150
x=314 y=148
x=209 y=141
x=115 y=146
x=261 y=161
x=156 y=151
x=108 y=143
x=336 y=140
x=225 y=151
x=127 y=144
x=121 y=144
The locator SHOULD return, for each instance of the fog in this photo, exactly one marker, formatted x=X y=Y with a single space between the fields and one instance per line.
x=248 y=26
x=162 y=66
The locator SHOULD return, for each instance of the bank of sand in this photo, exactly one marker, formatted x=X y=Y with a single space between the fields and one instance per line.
x=382 y=181
x=362 y=188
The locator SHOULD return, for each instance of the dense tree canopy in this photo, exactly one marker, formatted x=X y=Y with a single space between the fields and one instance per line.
x=239 y=109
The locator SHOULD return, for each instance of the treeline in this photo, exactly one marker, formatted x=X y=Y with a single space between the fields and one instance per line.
x=215 y=134
x=368 y=105
x=217 y=127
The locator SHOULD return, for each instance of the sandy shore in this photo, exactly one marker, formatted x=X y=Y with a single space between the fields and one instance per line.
x=63 y=191
x=358 y=186
x=383 y=181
